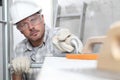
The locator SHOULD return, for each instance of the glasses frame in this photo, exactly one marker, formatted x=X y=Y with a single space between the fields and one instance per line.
x=32 y=20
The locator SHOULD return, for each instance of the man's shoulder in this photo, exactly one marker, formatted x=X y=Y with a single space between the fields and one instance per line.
x=21 y=47
x=22 y=43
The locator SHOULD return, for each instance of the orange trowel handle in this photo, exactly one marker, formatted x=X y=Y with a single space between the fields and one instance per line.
x=82 y=56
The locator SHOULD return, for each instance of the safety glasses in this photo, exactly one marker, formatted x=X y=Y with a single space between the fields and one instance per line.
x=30 y=21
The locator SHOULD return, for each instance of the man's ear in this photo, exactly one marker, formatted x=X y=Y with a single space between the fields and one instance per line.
x=21 y=32
x=42 y=17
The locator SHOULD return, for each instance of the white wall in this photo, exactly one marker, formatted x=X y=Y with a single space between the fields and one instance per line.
x=48 y=13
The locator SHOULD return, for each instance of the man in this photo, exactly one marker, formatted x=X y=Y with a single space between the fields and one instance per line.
x=40 y=40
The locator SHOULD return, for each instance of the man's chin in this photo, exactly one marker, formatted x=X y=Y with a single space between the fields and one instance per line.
x=35 y=39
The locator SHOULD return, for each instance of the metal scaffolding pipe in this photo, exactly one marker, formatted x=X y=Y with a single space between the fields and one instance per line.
x=82 y=21
x=3 y=22
x=5 y=38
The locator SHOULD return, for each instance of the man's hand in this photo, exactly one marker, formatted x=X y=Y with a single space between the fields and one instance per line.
x=65 y=41
x=21 y=64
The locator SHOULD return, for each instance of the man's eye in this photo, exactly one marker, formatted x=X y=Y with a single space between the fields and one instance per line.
x=23 y=25
x=33 y=19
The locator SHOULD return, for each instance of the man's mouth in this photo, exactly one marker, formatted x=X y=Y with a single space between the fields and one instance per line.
x=33 y=33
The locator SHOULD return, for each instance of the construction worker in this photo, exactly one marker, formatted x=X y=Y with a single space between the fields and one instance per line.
x=40 y=40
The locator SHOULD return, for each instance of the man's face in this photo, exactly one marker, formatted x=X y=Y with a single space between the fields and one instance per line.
x=32 y=27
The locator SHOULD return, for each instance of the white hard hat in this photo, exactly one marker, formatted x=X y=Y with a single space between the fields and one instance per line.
x=22 y=9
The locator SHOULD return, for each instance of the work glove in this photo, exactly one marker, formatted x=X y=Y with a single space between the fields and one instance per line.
x=21 y=65
x=65 y=41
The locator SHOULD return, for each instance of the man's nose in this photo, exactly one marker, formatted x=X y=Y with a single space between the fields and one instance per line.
x=30 y=26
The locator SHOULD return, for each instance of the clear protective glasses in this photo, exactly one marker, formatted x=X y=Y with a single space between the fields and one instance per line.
x=32 y=20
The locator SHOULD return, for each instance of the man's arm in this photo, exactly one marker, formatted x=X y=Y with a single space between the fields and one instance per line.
x=16 y=76
x=20 y=65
